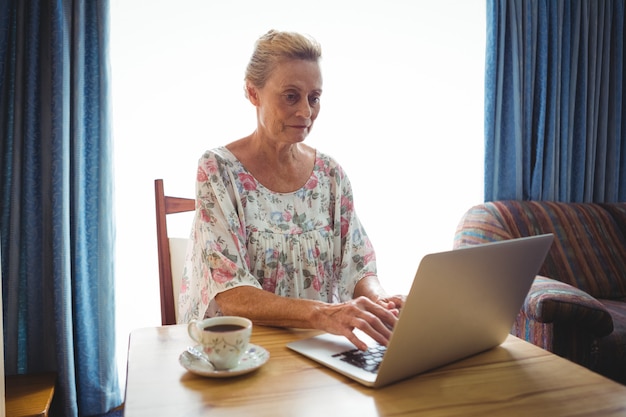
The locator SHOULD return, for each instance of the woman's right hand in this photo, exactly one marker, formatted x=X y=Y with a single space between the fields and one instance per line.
x=360 y=313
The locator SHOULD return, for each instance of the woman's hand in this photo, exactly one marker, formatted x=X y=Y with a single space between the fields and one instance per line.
x=374 y=319
x=393 y=303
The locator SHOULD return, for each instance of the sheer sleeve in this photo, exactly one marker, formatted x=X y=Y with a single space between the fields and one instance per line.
x=354 y=250
x=217 y=258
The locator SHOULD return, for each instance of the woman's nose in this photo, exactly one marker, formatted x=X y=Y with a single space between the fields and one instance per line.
x=305 y=109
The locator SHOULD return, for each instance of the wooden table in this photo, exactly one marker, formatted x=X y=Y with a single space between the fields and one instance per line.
x=516 y=378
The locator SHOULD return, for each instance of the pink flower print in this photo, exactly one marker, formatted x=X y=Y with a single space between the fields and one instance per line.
x=287 y=216
x=320 y=269
x=215 y=246
x=223 y=270
x=317 y=283
x=280 y=272
x=345 y=226
x=369 y=255
x=236 y=241
x=247 y=181
x=201 y=175
x=311 y=183
x=322 y=166
x=205 y=216
x=346 y=203
x=269 y=284
x=210 y=166
x=204 y=294
x=184 y=285
x=318 y=279
x=221 y=276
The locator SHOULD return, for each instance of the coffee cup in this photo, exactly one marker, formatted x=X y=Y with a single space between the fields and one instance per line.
x=223 y=339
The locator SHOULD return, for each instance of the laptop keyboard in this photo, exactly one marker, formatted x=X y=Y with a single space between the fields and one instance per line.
x=368 y=360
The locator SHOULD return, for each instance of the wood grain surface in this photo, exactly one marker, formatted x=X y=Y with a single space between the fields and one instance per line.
x=516 y=378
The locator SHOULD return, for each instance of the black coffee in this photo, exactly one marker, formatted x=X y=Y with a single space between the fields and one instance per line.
x=223 y=328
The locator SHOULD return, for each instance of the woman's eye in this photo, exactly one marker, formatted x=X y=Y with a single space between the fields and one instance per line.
x=291 y=98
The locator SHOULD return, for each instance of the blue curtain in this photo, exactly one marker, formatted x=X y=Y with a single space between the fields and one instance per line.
x=56 y=219
x=554 y=102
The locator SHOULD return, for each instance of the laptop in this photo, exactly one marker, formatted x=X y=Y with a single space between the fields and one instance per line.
x=461 y=302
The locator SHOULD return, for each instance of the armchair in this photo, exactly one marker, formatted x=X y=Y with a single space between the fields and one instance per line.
x=576 y=307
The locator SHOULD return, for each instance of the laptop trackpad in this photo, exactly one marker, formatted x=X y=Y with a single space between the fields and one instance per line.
x=327 y=349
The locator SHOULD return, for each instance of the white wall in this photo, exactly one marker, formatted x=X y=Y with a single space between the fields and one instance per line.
x=402 y=110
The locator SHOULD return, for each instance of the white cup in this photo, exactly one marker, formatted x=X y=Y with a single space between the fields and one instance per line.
x=223 y=339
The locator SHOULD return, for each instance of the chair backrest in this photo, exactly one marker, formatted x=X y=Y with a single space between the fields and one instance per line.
x=589 y=250
x=171 y=250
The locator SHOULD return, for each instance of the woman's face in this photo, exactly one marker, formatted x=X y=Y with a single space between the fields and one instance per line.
x=289 y=102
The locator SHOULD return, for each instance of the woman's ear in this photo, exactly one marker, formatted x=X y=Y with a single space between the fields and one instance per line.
x=252 y=93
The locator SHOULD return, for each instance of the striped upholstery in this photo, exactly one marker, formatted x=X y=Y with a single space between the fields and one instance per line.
x=574 y=312
x=549 y=299
x=589 y=251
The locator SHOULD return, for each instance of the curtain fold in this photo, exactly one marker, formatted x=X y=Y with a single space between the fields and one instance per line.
x=554 y=105
x=57 y=223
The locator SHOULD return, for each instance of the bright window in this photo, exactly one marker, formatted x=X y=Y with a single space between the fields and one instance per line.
x=402 y=111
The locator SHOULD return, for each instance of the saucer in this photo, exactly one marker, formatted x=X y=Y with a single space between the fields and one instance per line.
x=254 y=357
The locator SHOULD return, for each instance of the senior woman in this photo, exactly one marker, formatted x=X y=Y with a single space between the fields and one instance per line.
x=276 y=237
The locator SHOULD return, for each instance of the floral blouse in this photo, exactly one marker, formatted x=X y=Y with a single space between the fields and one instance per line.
x=304 y=244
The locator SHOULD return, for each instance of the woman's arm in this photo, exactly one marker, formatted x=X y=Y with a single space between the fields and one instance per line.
x=265 y=308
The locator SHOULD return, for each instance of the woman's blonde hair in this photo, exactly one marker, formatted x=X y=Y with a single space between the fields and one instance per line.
x=276 y=46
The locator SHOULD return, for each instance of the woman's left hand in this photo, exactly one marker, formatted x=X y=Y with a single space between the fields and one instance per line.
x=393 y=303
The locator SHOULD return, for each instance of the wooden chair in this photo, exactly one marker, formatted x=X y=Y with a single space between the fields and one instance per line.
x=171 y=250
